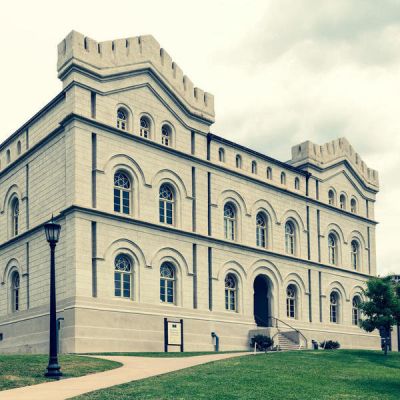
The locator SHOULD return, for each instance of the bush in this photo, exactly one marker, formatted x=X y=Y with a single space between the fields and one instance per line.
x=263 y=342
x=330 y=345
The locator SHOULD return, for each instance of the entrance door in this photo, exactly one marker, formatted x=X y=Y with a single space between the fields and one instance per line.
x=261 y=301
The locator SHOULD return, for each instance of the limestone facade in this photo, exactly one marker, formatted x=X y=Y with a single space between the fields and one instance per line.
x=64 y=161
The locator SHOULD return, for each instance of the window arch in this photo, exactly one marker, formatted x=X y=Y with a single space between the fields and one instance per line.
x=166 y=135
x=166 y=204
x=342 y=202
x=122 y=119
x=355 y=310
x=167 y=283
x=221 y=154
x=8 y=156
x=238 y=161
x=15 y=292
x=290 y=238
x=145 y=126
x=334 y=300
x=269 y=173
x=15 y=220
x=122 y=276
x=331 y=197
x=261 y=230
x=122 y=192
x=297 y=183
x=283 y=178
x=230 y=221
x=353 y=205
x=19 y=147
x=231 y=289
x=291 y=301
x=333 y=249
x=355 y=254
x=254 y=167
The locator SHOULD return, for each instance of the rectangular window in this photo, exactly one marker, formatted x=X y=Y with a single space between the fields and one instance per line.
x=125 y=202
x=169 y=213
x=162 y=212
x=170 y=291
x=117 y=200
x=117 y=280
x=127 y=285
x=162 y=290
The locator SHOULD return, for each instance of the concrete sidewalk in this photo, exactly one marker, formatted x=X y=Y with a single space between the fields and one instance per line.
x=134 y=368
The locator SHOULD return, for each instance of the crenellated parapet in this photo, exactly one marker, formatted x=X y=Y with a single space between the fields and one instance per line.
x=122 y=56
x=330 y=153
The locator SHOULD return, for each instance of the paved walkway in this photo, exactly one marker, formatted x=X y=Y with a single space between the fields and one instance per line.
x=134 y=368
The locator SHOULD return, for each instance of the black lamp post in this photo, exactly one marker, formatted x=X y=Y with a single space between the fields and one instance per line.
x=52 y=235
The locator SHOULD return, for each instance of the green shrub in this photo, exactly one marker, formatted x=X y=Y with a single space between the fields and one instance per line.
x=330 y=345
x=263 y=342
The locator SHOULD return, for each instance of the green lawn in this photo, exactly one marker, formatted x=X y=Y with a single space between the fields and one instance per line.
x=308 y=375
x=28 y=369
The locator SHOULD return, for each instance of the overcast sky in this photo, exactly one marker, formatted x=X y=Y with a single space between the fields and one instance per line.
x=281 y=71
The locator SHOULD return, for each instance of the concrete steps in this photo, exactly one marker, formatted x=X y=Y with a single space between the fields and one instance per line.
x=285 y=343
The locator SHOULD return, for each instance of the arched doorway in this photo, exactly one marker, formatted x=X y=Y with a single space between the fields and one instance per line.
x=262 y=301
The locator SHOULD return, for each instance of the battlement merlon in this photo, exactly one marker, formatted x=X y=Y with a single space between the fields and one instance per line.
x=330 y=153
x=127 y=55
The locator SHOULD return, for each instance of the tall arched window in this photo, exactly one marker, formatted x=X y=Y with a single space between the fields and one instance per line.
x=221 y=154
x=269 y=173
x=122 y=193
x=230 y=292
x=290 y=238
x=355 y=310
x=122 y=119
x=332 y=249
x=291 y=307
x=122 y=276
x=297 y=183
x=19 y=147
x=167 y=283
x=253 y=167
x=145 y=127
x=166 y=135
x=261 y=230
x=15 y=292
x=331 y=197
x=334 y=307
x=355 y=254
x=353 y=206
x=166 y=204
x=342 y=201
x=15 y=217
x=283 y=178
x=230 y=221
x=238 y=161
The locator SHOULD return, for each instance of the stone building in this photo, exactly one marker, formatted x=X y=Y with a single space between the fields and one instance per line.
x=163 y=219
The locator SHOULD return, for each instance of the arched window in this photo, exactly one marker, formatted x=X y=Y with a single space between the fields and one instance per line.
x=355 y=310
x=238 y=161
x=290 y=238
x=166 y=203
x=353 y=206
x=230 y=221
x=334 y=307
x=269 y=173
x=122 y=276
x=291 y=307
x=15 y=217
x=166 y=135
x=342 y=201
x=19 y=147
x=283 y=178
x=230 y=292
x=167 y=283
x=331 y=197
x=297 y=183
x=253 y=167
x=8 y=156
x=145 y=127
x=15 y=292
x=261 y=230
x=221 y=154
x=122 y=193
x=332 y=249
x=122 y=119
x=355 y=254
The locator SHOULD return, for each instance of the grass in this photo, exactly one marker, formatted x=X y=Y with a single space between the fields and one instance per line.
x=28 y=369
x=308 y=375
x=163 y=355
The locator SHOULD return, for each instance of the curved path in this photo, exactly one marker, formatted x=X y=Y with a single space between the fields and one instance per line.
x=133 y=368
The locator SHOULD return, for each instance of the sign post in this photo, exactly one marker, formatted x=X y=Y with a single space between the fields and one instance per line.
x=173 y=334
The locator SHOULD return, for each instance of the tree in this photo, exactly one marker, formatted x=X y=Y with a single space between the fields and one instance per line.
x=381 y=310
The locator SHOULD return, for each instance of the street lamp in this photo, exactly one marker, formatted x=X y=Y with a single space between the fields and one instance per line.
x=52 y=235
